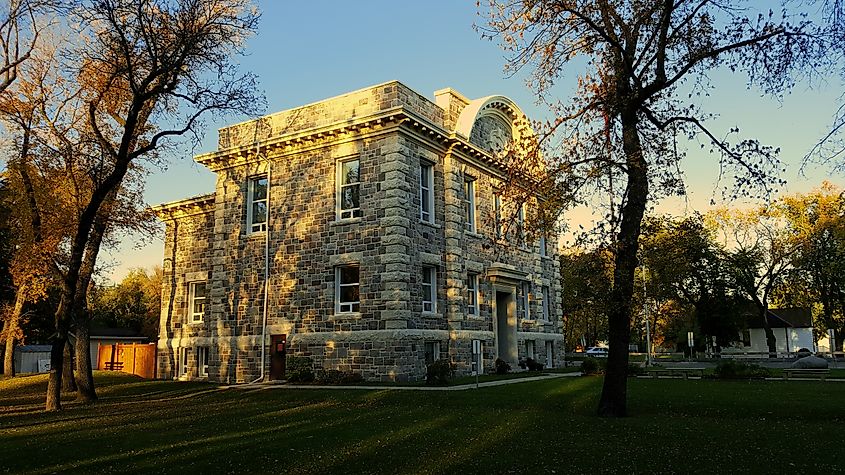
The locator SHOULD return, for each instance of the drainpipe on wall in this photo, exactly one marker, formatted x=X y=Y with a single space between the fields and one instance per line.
x=266 y=267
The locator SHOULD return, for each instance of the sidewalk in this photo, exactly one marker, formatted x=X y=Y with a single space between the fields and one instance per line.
x=462 y=387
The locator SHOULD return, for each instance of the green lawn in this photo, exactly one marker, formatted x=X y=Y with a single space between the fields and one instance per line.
x=538 y=427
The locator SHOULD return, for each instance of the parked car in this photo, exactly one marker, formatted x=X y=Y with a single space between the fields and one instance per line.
x=596 y=351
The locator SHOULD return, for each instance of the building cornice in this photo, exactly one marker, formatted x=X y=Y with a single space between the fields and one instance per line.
x=193 y=206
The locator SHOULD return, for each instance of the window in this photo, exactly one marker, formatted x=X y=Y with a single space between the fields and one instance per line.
x=349 y=189
x=497 y=210
x=202 y=361
x=472 y=294
x=182 y=362
x=550 y=355
x=520 y=223
x=746 y=337
x=523 y=309
x=469 y=204
x=543 y=246
x=256 y=219
x=544 y=302
x=529 y=349
x=426 y=193
x=196 y=300
x=432 y=352
x=346 y=289
x=429 y=289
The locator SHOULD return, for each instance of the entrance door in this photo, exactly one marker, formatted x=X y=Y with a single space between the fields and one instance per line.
x=278 y=352
x=506 y=327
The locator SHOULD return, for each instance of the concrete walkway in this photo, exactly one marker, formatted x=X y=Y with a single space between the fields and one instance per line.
x=461 y=387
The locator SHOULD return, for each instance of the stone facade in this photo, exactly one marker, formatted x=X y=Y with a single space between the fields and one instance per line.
x=214 y=304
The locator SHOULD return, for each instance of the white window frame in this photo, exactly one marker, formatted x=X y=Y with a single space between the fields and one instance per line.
x=202 y=361
x=550 y=353
x=429 y=273
x=193 y=316
x=350 y=306
x=252 y=225
x=544 y=303
x=472 y=295
x=530 y=350
x=497 y=211
x=340 y=212
x=524 y=301
x=181 y=361
x=435 y=353
x=469 y=204
x=520 y=223
x=427 y=192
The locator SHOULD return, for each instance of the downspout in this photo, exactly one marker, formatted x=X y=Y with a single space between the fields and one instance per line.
x=266 y=268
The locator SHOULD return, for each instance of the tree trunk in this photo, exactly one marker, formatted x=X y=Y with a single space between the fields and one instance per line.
x=12 y=332
x=771 y=341
x=68 y=384
x=85 y=376
x=54 y=383
x=9 y=356
x=613 y=402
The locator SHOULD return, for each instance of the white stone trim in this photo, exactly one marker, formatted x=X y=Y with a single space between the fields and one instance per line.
x=345 y=259
x=428 y=258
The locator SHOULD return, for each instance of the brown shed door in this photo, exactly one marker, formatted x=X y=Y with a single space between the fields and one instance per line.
x=278 y=350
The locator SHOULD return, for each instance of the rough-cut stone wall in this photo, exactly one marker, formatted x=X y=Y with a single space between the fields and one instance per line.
x=187 y=258
x=390 y=244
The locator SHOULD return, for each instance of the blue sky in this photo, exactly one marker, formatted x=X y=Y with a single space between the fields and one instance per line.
x=308 y=51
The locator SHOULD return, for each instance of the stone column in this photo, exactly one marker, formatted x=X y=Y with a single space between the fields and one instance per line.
x=395 y=262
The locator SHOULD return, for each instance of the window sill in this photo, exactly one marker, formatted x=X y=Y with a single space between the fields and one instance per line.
x=475 y=318
x=475 y=235
x=341 y=222
x=345 y=316
x=193 y=324
x=255 y=234
x=547 y=258
x=431 y=315
x=430 y=224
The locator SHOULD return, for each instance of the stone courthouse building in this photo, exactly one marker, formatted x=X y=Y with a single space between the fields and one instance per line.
x=374 y=223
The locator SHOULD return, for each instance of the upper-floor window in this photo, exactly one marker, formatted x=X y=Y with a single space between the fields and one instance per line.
x=426 y=192
x=349 y=189
x=347 y=286
x=256 y=214
x=196 y=300
x=523 y=310
x=544 y=303
x=429 y=289
x=469 y=204
x=520 y=223
x=472 y=294
x=497 y=211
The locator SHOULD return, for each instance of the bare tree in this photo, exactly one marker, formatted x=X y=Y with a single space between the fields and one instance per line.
x=643 y=88
x=153 y=69
x=20 y=28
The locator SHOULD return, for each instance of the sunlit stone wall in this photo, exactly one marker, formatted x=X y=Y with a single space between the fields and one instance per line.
x=390 y=129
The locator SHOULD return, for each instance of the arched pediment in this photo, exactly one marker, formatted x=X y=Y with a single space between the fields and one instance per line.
x=492 y=122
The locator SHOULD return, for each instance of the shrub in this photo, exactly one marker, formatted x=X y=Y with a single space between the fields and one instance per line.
x=439 y=372
x=635 y=370
x=333 y=376
x=731 y=369
x=533 y=365
x=298 y=369
x=502 y=367
x=591 y=366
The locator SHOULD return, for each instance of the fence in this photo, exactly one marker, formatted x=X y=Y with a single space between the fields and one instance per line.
x=133 y=358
